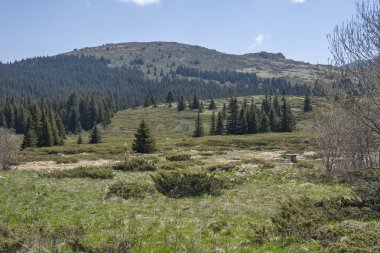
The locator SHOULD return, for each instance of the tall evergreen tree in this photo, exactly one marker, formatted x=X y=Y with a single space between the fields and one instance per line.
x=219 y=130
x=287 y=118
x=45 y=139
x=95 y=136
x=242 y=124
x=307 y=107
x=264 y=123
x=232 y=116
x=181 y=104
x=30 y=135
x=274 y=122
x=196 y=103
x=143 y=141
x=212 y=125
x=198 y=132
x=212 y=105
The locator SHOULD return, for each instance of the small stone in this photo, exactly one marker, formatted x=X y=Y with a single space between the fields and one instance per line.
x=1 y=177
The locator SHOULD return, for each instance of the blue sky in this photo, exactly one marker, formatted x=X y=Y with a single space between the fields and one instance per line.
x=297 y=28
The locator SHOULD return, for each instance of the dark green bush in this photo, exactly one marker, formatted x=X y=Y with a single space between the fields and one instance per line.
x=177 y=184
x=81 y=172
x=178 y=157
x=226 y=167
x=128 y=190
x=136 y=164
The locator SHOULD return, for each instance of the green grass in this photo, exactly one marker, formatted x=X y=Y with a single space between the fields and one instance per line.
x=208 y=223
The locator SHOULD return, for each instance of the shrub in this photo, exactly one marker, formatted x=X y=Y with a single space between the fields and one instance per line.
x=226 y=167
x=304 y=164
x=136 y=164
x=128 y=190
x=9 y=148
x=178 y=158
x=81 y=172
x=9 y=242
x=177 y=184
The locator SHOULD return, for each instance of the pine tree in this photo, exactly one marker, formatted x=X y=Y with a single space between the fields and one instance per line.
x=264 y=126
x=54 y=128
x=198 y=132
x=212 y=126
x=307 y=104
x=169 y=98
x=232 y=117
x=224 y=111
x=273 y=121
x=287 y=118
x=195 y=104
x=80 y=139
x=212 y=105
x=143 y=141
x=30 y=136
x=219 y=130
x=61 y=130
x=181 y=104
x=95 y=136
x=45 y=139
x=276 y=106
x=200 y=110
x=242 y=125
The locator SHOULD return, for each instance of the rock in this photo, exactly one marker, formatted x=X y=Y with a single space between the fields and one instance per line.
x=1 y=177
x=236 y=158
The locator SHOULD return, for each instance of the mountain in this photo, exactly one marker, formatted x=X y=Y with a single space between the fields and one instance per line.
x=169 y=55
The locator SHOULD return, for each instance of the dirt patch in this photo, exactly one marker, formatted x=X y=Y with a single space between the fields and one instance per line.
x=52 y=165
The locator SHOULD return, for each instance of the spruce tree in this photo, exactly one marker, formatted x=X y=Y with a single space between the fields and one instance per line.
x=307 y=107
x=30 y=136
x=80 y=139
x=224 y=111
x=181 y=104
x=273 y=121
x=54 y=128
x=219 y=130
x=143 y=141
x=242 y=125
x=212 y=126
x=264 y=124
x=212 y=105
x=198 y=132
x=232 y=116
x=95 y=136
x=287 y=118
x=45 y=139
x=195 y=104
x=61 y=130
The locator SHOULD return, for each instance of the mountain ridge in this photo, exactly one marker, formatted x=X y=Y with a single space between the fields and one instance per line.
x=166 y=56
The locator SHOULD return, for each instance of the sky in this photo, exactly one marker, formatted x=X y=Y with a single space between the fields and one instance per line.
x=296 y=28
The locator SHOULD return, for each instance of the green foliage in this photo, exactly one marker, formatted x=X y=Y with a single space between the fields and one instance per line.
x=95 y=136
x=129 y=190
x=307 y=107
x=198 y=132
x=178 y=157
x=143 y=141
x=226 y=167
x=181 y=104
x=81 y=172
x=195 y=104
x=136 y=164
x=178 y=184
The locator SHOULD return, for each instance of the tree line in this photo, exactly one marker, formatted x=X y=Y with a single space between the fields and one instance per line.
x=253 y=83
x=273 y=116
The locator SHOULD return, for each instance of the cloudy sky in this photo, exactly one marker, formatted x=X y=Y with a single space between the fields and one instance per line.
x=297 y=28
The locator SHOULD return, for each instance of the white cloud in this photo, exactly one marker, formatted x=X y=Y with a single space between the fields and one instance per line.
x=259 y=40
x=298 y=1
x=141 y=2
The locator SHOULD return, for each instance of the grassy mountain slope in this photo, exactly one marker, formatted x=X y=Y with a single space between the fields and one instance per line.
x=167 y=55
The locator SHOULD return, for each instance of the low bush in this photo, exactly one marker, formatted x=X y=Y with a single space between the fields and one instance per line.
x=263 y=164
x=304 y=164
x=178 y=157
x=177 y=184
x=41 y=237
x=128 y=190
x=136 y=164
x=81 y=172
x=226 y=167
